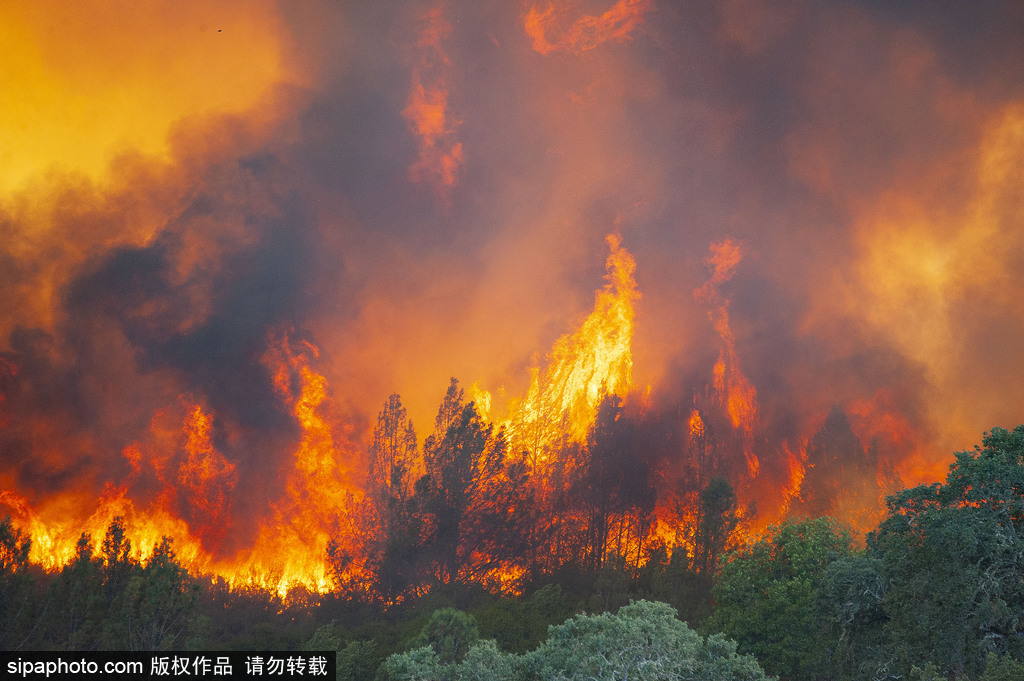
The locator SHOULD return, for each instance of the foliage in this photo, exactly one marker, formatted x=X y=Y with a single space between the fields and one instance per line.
x=1003 y=668
x=393 y=458
x=158 y=605
x=519 y=625
x=473 y=498
x=16 y=585
x=716 y=520
x=449 y=633
x=614 y=489
x=109 y=602
x=643 y=641
x=953 y=555
x=671 y=580
x=769 y=596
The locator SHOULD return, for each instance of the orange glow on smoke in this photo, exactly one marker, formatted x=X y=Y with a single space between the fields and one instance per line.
x=90 y=82
x=183 y=179
x=440 y=154
x=549 y=33
x=924 y=257
x=207 y=478
x=322 y=510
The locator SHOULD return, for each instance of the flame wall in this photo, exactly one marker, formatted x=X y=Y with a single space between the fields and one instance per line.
x=207 y=212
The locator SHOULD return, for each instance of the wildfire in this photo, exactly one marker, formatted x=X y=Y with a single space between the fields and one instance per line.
x=318 y=533
x=733 y=388
x=195 y=483
x=584 y=367
x=292 y=547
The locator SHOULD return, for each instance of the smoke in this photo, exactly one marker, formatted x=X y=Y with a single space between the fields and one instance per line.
x=424 y=191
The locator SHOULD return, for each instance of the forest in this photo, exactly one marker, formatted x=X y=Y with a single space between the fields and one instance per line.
x=488 y=563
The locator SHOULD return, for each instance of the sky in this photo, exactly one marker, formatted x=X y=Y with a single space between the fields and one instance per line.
x=415 y=191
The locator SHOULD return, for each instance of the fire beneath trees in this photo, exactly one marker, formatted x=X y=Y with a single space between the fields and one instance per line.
x=231 y=237
x=583 y=469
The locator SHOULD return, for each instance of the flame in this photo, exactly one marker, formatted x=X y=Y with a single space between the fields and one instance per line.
x=440 y=155
x=193 y=503
x=584 y=367
x=292 y=546
x=319 y=533
x=797 y=462
x=734 y=389
x=207 y=478
x=586 y=32
x=696 y=424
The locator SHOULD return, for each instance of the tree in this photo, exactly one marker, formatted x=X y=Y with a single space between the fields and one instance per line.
x=393 y=457
x=716 y=520
x=953 y=555
x=450 y=633
x=16 y=585
x=83 y=605
x=769 y=597
x=473 y=495
x=614 y=488
x=841 y=479
x=159 y=604
x=643 y=641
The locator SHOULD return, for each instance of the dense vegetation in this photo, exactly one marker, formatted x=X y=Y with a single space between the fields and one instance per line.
x=936 y=592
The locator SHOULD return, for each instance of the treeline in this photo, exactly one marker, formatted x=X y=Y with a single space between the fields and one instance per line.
x=507 y=510
x=935 y=592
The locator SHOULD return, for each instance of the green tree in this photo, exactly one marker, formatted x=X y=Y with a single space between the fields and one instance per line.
x=158 y=608
x=643 y=641
x=520 y=624
x=769 y=597
x=78 y=623
x=855 y=587
x=450 y=633
x=1003 y=668
x=953 y=555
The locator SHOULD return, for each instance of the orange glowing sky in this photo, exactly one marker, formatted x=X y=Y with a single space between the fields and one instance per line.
x=88 y=82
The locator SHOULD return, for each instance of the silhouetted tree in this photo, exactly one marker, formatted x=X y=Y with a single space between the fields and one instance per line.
x=716 y=520
x=393 y=458
x=16 y=585
x=615 y=487
x=474 y=497
x=841 y=478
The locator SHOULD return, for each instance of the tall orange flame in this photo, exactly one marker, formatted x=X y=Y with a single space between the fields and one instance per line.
x=733 y=388
x=321 y=494
x=584 y=367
